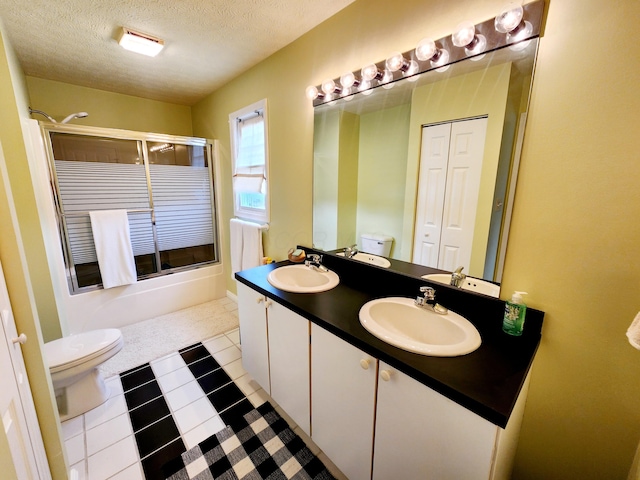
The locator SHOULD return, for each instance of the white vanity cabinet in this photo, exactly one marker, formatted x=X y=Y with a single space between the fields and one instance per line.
x=275 y=352
x=252 y=312
x=343 y=388
x=419 y=433
x=425 y=435
x=372 y=421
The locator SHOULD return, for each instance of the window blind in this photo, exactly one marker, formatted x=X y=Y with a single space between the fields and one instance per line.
x=182 y=202
x=249 y=174
x=87 y=186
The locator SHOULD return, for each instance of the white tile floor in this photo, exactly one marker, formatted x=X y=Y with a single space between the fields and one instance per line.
x=100 y=444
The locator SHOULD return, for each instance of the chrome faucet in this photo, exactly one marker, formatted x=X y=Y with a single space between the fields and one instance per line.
x=428 y=300
x=458 y=277
x=314 y=262
x=349 y=252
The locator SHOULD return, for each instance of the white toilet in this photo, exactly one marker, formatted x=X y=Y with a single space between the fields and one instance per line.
x=376 y=244
x=73 y=362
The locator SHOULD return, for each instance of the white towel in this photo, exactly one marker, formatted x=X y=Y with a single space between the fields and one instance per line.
x=113 y=247
x=236 y=245
x=251 y=245
x=246 y=245
x=633 y=332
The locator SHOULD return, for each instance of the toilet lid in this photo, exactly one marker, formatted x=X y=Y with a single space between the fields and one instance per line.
x=69 y=351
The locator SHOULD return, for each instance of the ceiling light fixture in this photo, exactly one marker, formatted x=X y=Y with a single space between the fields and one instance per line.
x=140 y=42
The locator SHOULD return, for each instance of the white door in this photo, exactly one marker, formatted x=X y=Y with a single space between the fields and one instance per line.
x=16 y=404
x=449 y=184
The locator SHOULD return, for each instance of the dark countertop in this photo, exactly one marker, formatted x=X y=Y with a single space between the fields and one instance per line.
x=486 y=381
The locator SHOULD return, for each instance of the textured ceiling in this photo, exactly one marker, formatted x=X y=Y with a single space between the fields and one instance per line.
x=207 y=42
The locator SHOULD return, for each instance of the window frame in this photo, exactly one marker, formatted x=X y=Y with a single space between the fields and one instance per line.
x=247 y=213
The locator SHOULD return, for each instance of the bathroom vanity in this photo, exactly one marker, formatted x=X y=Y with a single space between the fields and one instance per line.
x=377 y=410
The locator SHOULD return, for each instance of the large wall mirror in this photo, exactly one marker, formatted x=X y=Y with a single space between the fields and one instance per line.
x=382 y=164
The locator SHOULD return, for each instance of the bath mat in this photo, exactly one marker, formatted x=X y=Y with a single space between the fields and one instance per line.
x=154 y=338
x=260 y=447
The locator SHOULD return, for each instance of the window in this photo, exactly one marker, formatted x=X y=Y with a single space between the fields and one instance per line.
x=164 y=183
x=250 y=162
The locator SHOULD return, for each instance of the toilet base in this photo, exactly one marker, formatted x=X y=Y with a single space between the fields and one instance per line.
x=81 y=396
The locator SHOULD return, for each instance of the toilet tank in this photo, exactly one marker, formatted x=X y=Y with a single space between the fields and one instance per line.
x=376 y=244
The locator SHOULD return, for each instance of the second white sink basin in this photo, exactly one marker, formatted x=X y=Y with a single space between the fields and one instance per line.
x=302 y=279
x=471 y=284
x=370 y=258
x=400 y=322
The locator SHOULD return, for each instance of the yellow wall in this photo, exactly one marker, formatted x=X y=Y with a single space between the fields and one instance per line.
x=17 y=204
x=107 y=109
x=575 y=236
x=381 y=174
x=348 y=171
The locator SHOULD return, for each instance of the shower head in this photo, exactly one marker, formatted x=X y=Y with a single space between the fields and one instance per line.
x=66 y=120
x=49 y=117
x=75 y=115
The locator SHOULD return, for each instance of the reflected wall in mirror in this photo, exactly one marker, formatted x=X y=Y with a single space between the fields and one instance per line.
x=368 y=152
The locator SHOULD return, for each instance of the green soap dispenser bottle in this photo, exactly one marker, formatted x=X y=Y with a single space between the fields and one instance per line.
x=514 y=312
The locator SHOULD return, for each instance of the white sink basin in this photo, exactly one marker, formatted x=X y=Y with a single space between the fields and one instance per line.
x=472 y=284
x=302 y=279
x=400 y=322
x=369 y=258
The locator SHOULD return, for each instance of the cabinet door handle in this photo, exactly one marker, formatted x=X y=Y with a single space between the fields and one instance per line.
x=385 y=375
x=268 y=303
x=21 y=339
x=364 y=363
x=259 y=300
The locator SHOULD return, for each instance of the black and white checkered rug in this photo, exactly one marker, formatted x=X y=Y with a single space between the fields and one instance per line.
x=261 y=447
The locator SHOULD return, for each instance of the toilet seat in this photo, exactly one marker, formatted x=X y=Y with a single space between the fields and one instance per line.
x=68 y=352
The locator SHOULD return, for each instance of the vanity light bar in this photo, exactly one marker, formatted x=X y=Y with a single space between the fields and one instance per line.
x=513 y=26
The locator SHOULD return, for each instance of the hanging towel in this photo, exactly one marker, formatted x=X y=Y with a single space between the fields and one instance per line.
x=113 y=247
x=251 y=245
x=633 y=332
x=236 y=245
x=246 y=245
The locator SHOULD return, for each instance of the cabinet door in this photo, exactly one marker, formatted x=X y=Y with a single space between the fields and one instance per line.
x=422 y=434
x=289 y=362
x=253 y=334
x=343 y=401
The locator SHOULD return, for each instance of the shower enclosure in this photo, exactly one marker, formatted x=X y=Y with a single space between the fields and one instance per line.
x=165 y=183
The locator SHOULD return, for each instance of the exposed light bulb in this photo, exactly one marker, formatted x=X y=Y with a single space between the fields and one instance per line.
x=441 y=60
x=522 y=31
x=329 y=87
x=387 y=79
x=397 y=62
x=465 y=36
x=426 y=49
x=412 y=70
x=365 y=87
x=509 y=19
x=349 y=80
x=371 y=72
x=313 y=93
